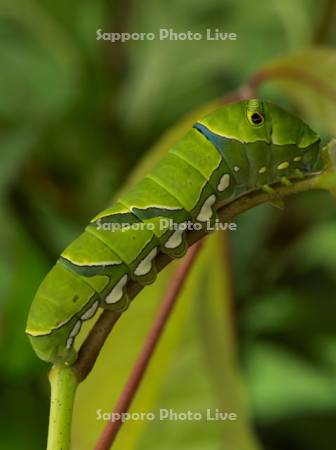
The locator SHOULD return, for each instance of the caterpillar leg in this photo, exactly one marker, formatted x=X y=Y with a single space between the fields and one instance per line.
x=299 y=174
x=275 y=200
x=285 y=181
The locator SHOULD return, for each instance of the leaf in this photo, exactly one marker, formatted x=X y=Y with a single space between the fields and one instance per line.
x=15 y=148
x=298 y=29
x=318 y=245
x=308 y=79
x=194 y=71
x=23 y=270
x=281 y=385
x=327 y=181
x=39 y=65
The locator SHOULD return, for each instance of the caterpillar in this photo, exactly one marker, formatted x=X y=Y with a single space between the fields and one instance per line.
x=239 y=148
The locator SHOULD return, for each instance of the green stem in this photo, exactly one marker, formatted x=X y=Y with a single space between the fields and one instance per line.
x=63 y=382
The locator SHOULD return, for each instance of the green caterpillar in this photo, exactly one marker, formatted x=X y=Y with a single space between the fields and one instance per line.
x=240 y=147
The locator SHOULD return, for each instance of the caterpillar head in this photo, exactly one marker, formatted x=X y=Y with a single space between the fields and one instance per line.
x=256 y=120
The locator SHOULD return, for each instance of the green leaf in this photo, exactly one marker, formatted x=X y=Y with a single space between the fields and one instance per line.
x=281 y=385
x=15 y=148
x=308 y=79
x=24 y=265
x=39 y=65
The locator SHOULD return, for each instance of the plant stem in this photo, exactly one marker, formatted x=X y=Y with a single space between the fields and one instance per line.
x=89 y=351
x=63 y=384
x=111 y=430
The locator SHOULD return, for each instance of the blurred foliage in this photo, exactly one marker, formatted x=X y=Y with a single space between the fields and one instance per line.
x=308 y=78
x=76 y=115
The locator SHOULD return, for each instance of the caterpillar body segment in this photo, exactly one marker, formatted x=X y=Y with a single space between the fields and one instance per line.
x=238 y=148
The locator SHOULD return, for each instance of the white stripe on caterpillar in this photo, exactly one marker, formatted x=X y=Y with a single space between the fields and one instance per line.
x=117 y=292
x=145 y=265
x=206 y=211
x=224 y=182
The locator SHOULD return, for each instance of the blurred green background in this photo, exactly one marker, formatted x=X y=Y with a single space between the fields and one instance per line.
x=76 y=116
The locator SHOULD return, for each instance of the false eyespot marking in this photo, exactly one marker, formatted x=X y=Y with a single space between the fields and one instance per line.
x=145 y=265
x=236 y=168
x=117 y=292
x=206 y=211
x=175 y=239
x=223 y=182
